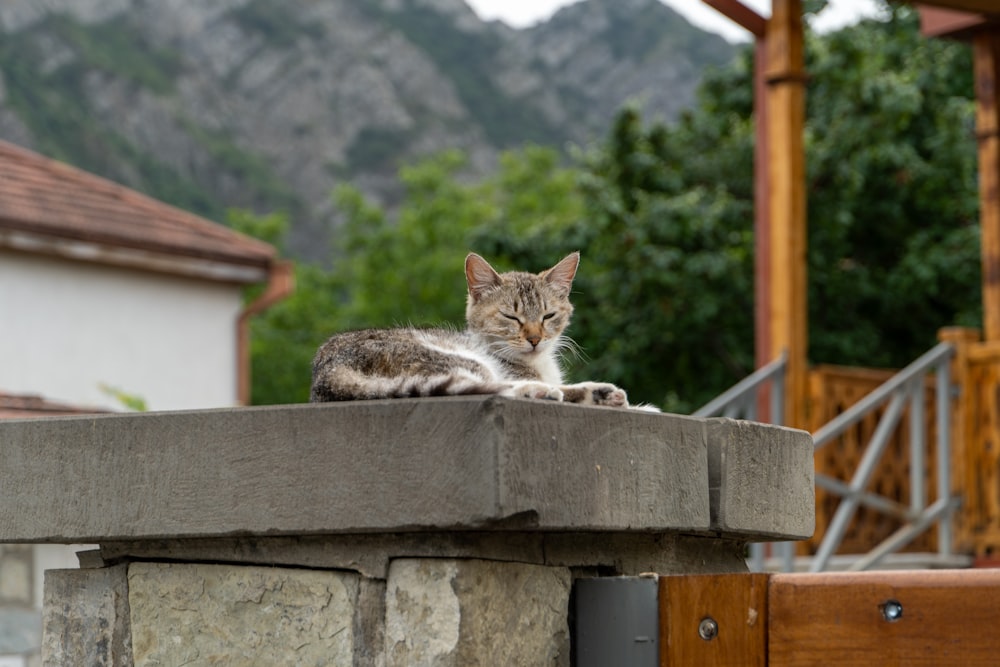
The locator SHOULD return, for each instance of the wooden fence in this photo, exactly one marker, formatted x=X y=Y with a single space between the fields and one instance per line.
x=975 y=450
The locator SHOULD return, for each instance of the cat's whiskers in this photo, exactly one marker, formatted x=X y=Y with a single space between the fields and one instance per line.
x=566 y=346
x=504 y=348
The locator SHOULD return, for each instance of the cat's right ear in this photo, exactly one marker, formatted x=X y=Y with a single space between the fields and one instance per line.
x=480 y=276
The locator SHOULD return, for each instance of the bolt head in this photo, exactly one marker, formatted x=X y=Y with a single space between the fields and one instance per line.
x=708 y=629
x=891 y=610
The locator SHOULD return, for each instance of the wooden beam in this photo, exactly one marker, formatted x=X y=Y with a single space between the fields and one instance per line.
x=986 y=60
x=717 y=619
x=937 y=22
x=740 y=14
x=848 y=619
x=982 y=6
x=785 y=76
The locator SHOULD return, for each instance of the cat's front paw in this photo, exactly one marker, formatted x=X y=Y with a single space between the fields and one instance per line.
x=536 y=390
x=596 y=393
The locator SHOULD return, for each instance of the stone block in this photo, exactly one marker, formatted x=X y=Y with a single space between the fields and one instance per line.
x=16 y=574
x=238 y=615
x=619 y=553
x=761 y=480
x=85 y=618
x=461 y=463
x=469 y=613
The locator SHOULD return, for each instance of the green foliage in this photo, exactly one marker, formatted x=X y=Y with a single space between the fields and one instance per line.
x=893 y=204
x=271 y=228
x=129 y=401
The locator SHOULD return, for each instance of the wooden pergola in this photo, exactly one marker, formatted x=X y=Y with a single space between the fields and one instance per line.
x=781 y=312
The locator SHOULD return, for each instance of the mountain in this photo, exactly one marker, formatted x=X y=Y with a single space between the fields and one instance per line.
x=267 y=104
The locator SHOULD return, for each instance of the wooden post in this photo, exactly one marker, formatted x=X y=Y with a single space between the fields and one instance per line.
x=986 y=55
x=964 y=426
x=713 y=619
x=761 y=224
x=787 y=200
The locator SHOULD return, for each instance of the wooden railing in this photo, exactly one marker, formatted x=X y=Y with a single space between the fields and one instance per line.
x=892 y=497
x=975 y=450
x=976 y=441
x=834 y=389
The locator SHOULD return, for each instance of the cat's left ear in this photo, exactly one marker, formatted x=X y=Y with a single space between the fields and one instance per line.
x=561 y=275
x=480 y=276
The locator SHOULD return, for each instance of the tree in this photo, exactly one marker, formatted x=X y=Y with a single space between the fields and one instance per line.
x=893 y=208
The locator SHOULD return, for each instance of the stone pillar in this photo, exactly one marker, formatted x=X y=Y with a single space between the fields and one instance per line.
x=427 y=531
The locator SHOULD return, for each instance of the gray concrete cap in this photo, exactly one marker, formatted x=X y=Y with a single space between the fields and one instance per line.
x=761 y=480
x=464 y=463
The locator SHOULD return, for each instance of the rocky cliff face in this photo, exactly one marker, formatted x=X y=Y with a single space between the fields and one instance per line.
x=269 y=103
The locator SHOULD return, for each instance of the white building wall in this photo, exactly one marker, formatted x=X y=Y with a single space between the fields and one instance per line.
x=66 y=327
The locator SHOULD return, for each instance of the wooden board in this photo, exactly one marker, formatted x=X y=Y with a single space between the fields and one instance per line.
x=737 y=603
x=948 y=618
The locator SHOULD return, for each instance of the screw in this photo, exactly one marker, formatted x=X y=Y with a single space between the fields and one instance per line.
x=891 y=610
x=708 y=629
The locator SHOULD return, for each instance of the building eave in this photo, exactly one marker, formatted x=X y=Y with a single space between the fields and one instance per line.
x=205 y=268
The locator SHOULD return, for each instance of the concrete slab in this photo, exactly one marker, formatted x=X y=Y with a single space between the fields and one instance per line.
x=761 y=480
x=464 y=463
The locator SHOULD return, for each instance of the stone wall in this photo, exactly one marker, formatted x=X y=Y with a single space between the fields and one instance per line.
x=443 y=612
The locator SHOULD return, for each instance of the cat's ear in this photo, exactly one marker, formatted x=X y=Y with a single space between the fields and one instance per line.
x=561 y=275
x=480 y=275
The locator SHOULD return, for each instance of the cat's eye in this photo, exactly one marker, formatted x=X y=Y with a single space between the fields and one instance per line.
x=548 y=316
x=511 y=317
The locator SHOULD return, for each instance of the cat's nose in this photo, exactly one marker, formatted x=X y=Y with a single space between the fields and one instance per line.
x=534 y=339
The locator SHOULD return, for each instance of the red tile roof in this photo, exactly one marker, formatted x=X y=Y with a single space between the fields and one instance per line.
x=44 y=197
x=14 y=406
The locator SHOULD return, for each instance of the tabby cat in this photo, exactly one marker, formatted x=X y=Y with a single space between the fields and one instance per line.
x=511 y=347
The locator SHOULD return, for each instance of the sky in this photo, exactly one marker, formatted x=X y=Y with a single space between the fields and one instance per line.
x=522 y=13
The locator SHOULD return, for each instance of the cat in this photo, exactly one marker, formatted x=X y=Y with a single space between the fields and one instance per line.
x=511 y=347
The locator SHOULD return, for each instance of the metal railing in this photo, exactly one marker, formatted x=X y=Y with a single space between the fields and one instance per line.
x=906 y=387
x=740 y=401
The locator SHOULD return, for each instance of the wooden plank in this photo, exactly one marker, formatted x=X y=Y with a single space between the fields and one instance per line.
x=787 y=200
x=947 y=618
x=986 y=60
x=736 y=603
